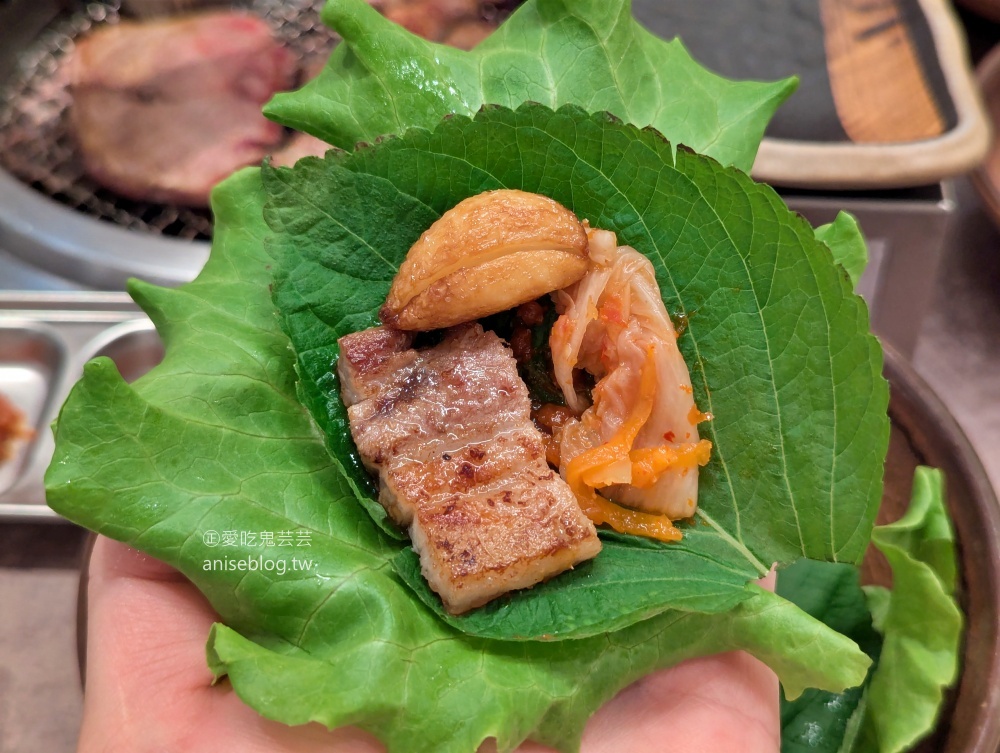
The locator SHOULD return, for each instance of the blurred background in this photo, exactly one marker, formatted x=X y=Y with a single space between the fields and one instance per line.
x=105 y=174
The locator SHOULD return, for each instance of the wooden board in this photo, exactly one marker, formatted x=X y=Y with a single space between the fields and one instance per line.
x=879 y=87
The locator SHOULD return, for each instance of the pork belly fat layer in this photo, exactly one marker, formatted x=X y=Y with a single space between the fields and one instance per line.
x=460 y=463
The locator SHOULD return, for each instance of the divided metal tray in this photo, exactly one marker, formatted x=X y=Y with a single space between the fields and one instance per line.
x=45 y=339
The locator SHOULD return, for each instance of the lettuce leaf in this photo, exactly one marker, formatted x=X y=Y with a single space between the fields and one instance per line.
x=592 y=53
x=844 y=238
x=915 y=648
x=450 y=693
x=777 y=343
x=919 y=619
x=818 y=720
x=214 y=439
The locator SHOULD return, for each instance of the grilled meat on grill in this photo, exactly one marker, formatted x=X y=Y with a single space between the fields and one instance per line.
x=163 y=110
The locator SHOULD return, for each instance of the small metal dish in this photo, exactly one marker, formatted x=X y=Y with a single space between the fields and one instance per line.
x=45 y=340
x=32 y=357
x=133 y=346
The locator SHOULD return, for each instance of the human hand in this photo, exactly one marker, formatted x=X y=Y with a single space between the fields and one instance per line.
x=149 y=687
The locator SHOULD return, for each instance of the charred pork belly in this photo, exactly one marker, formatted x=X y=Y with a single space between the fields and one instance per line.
x=460 y=464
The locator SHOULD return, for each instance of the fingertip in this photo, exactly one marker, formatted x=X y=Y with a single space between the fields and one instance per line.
x=768 y=581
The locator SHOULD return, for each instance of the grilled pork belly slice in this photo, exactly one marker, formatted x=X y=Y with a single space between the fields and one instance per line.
x=460 y=464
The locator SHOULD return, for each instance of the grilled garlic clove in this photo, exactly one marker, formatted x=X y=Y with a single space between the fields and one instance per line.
x=486 y=254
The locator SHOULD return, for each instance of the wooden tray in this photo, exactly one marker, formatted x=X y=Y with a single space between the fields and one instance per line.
x=886 y=95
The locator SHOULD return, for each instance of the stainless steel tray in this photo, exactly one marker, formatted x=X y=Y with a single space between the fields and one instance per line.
x=45 y=339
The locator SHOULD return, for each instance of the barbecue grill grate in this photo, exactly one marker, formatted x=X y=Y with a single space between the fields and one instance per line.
x=36 y=142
